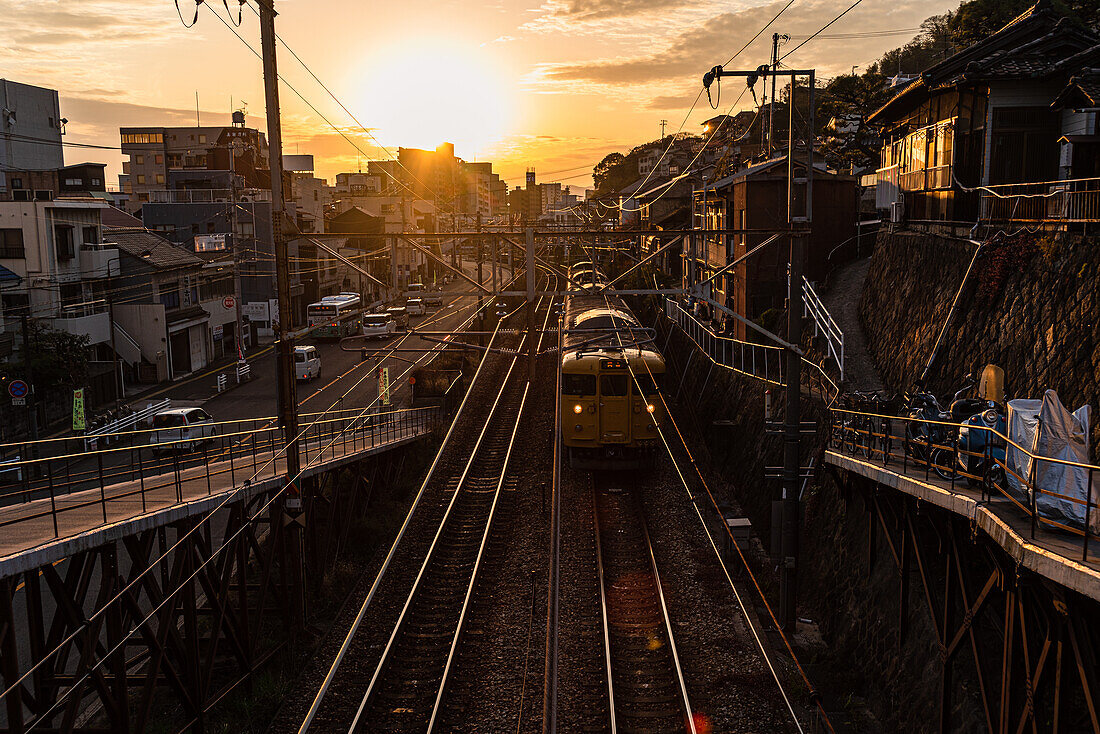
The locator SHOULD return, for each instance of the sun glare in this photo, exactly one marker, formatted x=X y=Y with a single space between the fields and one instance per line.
x=430 y=91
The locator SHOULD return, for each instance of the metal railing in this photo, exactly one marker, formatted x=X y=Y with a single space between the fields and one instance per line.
x=163 y=467
x=114 y=428
x=762 y=361
x=206 y=196
x=823 y=324
x=1075 y=200
x=929 y=446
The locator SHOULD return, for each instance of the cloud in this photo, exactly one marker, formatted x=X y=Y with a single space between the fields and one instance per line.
x=671 y=102
x=695 y=48
x=594 y=9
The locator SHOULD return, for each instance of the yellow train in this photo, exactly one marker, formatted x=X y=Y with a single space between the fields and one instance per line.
x=611 y=374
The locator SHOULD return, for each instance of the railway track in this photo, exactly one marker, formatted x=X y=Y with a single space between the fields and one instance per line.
x=645 y=682
x=396 y=677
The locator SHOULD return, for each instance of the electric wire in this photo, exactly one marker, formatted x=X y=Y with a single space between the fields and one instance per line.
x=819 y=31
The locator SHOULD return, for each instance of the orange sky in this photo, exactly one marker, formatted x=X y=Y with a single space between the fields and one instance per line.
x=555 y=85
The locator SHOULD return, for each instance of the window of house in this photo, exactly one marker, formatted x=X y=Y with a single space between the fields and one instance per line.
x=141 y=179
x=140 y=160
x=43 y=195
x=175 y=160
x=72 y=182
x=140 y=138
x=97 y=182
x=170 y=295
x=11 y=243
x=159 y=160
x=91 y=235
x=16 y=302
x=160 y=178
x=1024 y=145
x=17 y=183
x=202 y=138
x=63 y=242
x=143 y=197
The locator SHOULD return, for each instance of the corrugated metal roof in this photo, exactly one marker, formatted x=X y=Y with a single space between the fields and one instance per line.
x=151 y=248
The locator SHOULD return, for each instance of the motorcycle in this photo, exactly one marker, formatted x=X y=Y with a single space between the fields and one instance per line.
x=931 y=441
x=982 y=452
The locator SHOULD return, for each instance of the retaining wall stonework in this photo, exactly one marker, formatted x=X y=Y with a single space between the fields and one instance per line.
x=1031 y=307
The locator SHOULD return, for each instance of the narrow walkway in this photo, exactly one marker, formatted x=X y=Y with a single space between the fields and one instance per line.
x=842 y=300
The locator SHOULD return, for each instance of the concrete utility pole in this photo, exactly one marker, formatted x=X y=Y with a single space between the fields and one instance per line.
x=288 y=397
x=771 y=106
x=239 y=328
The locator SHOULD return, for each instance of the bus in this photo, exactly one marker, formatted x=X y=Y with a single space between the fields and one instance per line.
x=334 y=317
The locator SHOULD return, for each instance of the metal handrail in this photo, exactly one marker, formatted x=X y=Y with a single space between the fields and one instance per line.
x=858 y=423
x=823 y=320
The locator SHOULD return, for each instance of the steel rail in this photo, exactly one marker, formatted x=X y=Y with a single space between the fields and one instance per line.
x=604 y=626
x=429 y=556
x=681 y=683
x=550 y=672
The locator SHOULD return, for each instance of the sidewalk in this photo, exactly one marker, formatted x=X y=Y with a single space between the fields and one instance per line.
x=842 y=300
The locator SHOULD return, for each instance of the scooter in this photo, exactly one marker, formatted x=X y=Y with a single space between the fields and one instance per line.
x=932 y=441
x=981 y=450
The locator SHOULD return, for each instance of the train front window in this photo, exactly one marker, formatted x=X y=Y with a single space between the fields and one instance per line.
x=578 y=384
x=649 y=384
x=614 y=386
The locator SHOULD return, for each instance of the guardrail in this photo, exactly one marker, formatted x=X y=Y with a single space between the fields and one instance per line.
x=105 y=433
x=163 y=466
x=762 y=361
x=1075 y=200
x=931 y=445
x=823 y=323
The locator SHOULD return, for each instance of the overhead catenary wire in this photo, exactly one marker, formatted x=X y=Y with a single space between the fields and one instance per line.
x=818 y=32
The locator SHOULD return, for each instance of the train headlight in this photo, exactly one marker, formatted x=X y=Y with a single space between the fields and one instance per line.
x=578 y=408
x=650 y=408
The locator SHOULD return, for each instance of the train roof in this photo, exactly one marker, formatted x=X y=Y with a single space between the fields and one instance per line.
x=588 y=360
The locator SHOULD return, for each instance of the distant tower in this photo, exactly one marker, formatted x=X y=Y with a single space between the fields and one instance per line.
x=238 y=118
x=663 y=123
x=530 y=177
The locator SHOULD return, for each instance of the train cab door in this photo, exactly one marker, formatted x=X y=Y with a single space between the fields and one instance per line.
x=614 y=407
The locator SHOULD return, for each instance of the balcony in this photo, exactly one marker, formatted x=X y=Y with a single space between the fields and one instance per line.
x=1048 y=202
x=207 y=196
x=97 y=262
x=91 y=320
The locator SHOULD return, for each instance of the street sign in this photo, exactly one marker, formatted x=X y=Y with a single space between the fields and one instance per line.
x=18 y=401
x=229 y=302
x=217 y=332
x=18 y=389
x=79 y=421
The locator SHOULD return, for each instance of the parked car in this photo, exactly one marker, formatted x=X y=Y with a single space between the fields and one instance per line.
x=434 y=298
x=379 y=325
x=307 y=363
x=400 y=316
x=181 y=429
x=414 y=290
x=415 y=306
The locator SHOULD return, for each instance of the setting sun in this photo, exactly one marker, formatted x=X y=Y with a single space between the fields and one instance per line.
x=429 y=91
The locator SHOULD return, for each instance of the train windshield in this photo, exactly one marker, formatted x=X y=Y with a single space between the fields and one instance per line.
x=614 y=385
x=578 y=384
x=649 y=384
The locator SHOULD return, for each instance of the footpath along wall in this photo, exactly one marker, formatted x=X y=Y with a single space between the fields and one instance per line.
x=1031 y=306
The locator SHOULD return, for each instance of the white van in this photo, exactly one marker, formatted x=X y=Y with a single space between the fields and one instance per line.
x=415 y=306
x=379 y=325
x=307 y=363
x=412 y=290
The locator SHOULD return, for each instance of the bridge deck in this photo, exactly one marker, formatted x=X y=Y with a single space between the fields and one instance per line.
x=1052 y=554
x=46 y=530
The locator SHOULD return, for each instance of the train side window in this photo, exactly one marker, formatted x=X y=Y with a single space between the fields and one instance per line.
x=578 y=384
x=650 y=385
x=614 y=385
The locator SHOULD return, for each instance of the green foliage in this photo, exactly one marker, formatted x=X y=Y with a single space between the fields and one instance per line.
x=850 y=97
x=615 y=172
x=57 y=358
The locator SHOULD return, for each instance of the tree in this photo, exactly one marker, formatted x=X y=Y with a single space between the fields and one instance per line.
x=849 y=99
x=615 y=171
x=57 y=358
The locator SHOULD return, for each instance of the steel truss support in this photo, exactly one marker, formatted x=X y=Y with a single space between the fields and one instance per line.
x=1020 y=644
x=216 y=608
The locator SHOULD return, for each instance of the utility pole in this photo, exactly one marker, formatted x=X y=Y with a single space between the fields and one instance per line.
x=792 y=425
x=32 y=405
x=771 y=106
x=288 y=398
x=120 y=388
x=663 y=124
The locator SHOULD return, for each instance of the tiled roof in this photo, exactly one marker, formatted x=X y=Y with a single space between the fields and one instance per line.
x=151 y=248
